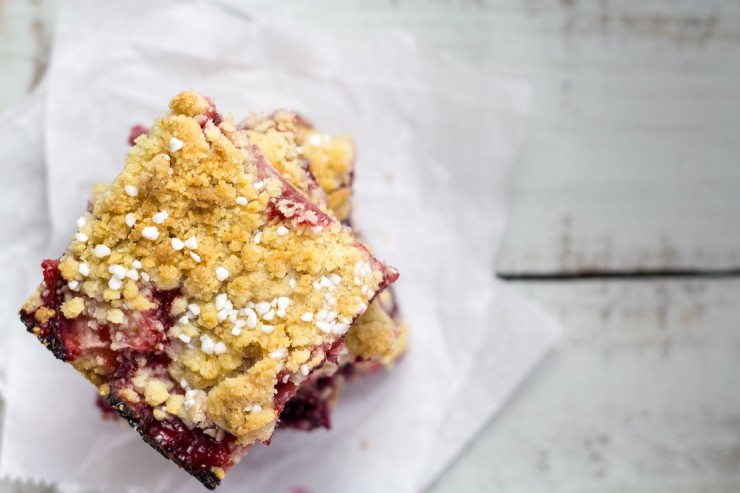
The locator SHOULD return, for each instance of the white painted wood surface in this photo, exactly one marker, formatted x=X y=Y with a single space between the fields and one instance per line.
x=639 y=396
x=628 y=163
x=630 y=159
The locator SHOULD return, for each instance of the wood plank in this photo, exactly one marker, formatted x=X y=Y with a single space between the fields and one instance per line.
x=638 y=396
x=629 y=161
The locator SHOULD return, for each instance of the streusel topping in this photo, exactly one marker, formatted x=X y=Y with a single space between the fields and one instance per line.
x=266 y=281
x=285 y=138
x=332 y=160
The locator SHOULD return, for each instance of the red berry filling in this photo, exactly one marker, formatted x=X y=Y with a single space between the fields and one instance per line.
x=106 y=411
x=310 y=408
x=193 y=447
x=291 y=205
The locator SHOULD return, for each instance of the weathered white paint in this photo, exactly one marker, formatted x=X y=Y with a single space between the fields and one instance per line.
x=630 y=157
x=640 y=395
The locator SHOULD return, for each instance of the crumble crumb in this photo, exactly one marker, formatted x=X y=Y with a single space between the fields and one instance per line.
x=73 y=307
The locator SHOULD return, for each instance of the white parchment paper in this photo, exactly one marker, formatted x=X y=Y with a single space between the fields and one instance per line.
x=434 y=141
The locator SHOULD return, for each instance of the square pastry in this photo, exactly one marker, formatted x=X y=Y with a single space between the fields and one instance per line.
x=203 y=290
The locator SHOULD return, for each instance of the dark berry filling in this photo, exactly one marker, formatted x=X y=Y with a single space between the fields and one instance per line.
x=194 y=449
x=52 y=276
x=51 y=332
x=199 y=451
x=307 y=410
x=106 y=411
x=164 y=305
x=83 y=337
x=283 y=393
x=333 y=353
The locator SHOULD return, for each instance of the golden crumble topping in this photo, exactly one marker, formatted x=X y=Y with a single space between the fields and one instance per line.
x=276 y=138
x=284 y=138
x=331 y=157
x=332 y=160
x=265 y=281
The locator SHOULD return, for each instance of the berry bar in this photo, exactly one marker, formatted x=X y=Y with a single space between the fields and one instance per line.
x=202 y=290
x=379 y=337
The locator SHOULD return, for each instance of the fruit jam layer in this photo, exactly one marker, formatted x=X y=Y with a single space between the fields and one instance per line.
x=85 y=340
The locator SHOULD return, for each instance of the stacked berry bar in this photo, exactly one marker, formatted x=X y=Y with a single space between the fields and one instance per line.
x=378 y=338
x=209 y=284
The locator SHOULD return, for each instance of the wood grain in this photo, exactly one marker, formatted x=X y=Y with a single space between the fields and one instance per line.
x=629 y=162
x=638 y=396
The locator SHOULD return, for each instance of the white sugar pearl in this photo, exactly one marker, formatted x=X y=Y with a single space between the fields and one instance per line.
x=176 y=144
x=130 y=219
x=221 y=300
x=160 y=217
x=340 y=329
x=207 y=345
x=267 y=329
x=222 y=273
x=118 y=271
x=150 y=233
x=262 y=307
x=101 y=251
x=251 y=318
x=278 y=354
